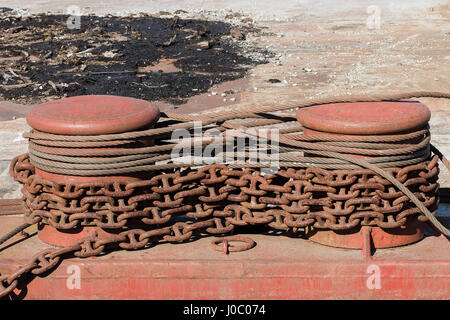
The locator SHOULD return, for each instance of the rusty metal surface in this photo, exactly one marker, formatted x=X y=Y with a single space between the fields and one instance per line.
x=365 y=117
x=276 y=268
x=89 y=115
x=223 y=244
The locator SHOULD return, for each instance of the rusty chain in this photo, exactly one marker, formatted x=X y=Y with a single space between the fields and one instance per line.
x=334 y=199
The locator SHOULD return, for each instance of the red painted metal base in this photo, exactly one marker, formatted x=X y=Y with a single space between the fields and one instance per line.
x=381 y=238
x=278 y=267
x=365 y=118
x=62 y=238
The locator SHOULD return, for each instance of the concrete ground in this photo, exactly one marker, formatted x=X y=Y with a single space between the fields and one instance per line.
x=323 y=48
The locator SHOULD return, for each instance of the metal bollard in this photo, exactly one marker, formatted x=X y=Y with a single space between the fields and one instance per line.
x=89 y=115
x=367 y=119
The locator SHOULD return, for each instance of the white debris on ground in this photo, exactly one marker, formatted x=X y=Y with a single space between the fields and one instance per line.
x=12 y=144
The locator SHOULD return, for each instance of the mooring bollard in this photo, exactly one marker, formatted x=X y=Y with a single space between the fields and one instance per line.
x=355 y=123
x=81 y=116
x=93 y=166
x=101 y=174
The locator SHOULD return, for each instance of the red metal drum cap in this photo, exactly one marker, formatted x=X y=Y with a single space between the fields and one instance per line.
x=365 y=118
x=92 y=115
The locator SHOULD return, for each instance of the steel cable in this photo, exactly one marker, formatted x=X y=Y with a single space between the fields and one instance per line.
x=13 y=232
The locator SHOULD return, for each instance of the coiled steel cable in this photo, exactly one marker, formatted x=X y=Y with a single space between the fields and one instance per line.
x=77 y=161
